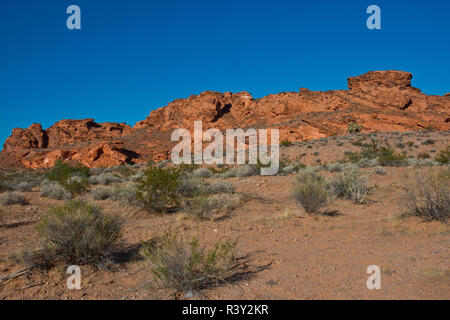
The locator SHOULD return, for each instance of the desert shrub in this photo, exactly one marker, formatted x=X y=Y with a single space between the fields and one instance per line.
x=424 y=155
x=76 y=185
x=335 y=167
x=54 y=190
x=210 y=207
x=157 y=190
x=380 y=170
x=125 y=170
x=299 y=166
x=387 y=157
x=428 y=142
x=63 y=171
x=444 y=156
x=9 y=198
x=202 y=173
x=101 y=193
x=366 y=163
x=310 y=190
x=78 y=233
x=25 y=186
x=219 y=187
x=353 y=127
x=247 y=171
x=351 y=185
x=285 y=143
x=181 y=264
x=136 y=177
x=104 y=178
x=125 y=194
x=428 y=196
x=288 y=170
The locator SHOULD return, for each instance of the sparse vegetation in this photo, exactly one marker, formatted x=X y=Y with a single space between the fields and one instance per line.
x=444 y=156
x=180 y=264
x=310 y=190
x=125 y=194
x=428 y=196
x=74 y=179
x=423 y=155
x=351 y=185
x=212 y=207
x=353 y=127
x=10 y=198
x=54 y=190
x=104 y=178
x=102 y=193
x=157 y=190
x=77 y=233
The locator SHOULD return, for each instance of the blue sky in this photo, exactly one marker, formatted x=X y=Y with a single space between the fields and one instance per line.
x=134 y=56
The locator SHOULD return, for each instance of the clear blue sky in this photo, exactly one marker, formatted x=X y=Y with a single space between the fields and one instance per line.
x=133 y=56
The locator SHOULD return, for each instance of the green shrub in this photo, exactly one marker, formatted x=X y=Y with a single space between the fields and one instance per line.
x=380 y=170
x=351 y=185
x=310 y=190
x=63 y=171
x=202 y=173
x=285 y=143
x=74 y=179
x=428 y=142
x=353 y=127
x=444 y=156
x=78 y=233
x=428 y=196
x=157 y=190
x=387 y=157
x=183 y=265
x=76 y=185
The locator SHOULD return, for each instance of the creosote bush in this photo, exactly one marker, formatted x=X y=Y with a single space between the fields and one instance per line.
x=157 y=190
x=184 y=265
x=428 y=196
x=78 y=233
x=310 y=190
x=74 y=179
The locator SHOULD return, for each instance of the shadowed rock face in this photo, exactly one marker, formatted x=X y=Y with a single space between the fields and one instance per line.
x=378 y=100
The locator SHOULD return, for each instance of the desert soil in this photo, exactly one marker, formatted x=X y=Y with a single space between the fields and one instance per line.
x=301 y=256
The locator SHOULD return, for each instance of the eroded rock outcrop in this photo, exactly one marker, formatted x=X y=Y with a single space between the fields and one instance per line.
x=378 y=100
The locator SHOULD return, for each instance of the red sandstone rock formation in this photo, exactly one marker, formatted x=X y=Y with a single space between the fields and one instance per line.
x=379 y=100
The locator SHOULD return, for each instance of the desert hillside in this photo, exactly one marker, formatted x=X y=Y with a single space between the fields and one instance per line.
x=379 y=101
